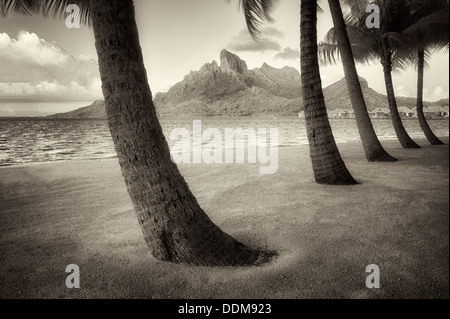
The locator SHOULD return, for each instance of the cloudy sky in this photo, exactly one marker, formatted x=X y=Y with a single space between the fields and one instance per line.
x=46 y=67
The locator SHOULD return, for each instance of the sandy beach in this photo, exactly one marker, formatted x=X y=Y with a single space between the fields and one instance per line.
x=79 y=212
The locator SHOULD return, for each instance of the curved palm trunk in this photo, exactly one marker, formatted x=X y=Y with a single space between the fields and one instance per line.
x=405 y=140
x=328 y=166
x=175 y=228
x=432 y=138
x=372 y=147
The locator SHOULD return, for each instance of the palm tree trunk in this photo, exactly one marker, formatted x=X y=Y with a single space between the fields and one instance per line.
x=372 y=147
x=403 y=137
x=328 y=166
x=175 y=227
x=432 y=138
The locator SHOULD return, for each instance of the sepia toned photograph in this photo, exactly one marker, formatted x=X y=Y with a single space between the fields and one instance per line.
x=243 y=151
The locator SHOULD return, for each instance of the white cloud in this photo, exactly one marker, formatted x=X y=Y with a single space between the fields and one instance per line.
x=5 y=40
x=330 y=74
x=435 y=95
x=288 y=54
x=438 y=93
x=49 y=90
x=34 y=68
x=404 y=91
x=272 y=32
x=30 y=47
x=243 y=42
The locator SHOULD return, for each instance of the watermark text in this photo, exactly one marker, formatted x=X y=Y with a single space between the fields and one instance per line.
x=214 y=146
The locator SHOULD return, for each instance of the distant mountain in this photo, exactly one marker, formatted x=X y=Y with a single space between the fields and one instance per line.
x=94 y=111
x=336 y=96
x=443 y=102
x=231 y=89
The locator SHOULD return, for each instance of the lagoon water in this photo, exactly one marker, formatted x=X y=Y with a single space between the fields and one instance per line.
x=37 y=141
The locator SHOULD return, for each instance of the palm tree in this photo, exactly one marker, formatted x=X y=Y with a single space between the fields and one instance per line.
x=431 y=137
x=327 y=163
x=175 y=227
x=428 y=32
x=373 y=149
x=378 y=43
x=328 y=166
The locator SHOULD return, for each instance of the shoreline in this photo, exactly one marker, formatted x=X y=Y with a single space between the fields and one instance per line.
x=387 y=141
x=171 y=116
x=80 y=213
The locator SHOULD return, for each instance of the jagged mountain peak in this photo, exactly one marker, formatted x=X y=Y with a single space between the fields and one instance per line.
x=286 y=73
x=209 y=67
x=213 y=82
x=266 y=66
x=231 y=62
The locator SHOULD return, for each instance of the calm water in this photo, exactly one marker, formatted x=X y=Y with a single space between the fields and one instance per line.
x=31 y=141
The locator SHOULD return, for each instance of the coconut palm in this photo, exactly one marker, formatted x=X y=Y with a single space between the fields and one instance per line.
x=431 y=137
x=429 y=32
x=328 y=166
x=175 y=227
x=382 y=43
x=327 y=163
x=373 y=149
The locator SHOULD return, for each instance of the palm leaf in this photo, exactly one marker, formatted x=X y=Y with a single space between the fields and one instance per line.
x=430 y=31
x=406 y=27
x=256 y=12
x=363 y=44
x=423 y=8
x=46 y=8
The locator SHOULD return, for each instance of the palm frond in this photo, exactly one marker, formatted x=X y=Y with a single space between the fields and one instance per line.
x=402 y=60
x=430 y=31
x=256 y=12
x=355 y=34
x=423 y=8
x=329 y=53
x=355 y=5
x=362 y=41
x=46 y=8
x=406 y=26
x=396 y=40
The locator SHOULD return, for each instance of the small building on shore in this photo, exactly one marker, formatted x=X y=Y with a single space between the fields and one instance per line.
x=406 y=112
x=380 y=113
x=435 y=111
x=341 y=114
